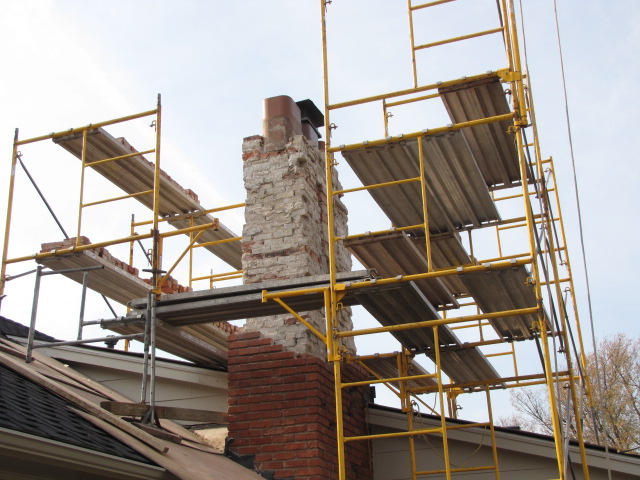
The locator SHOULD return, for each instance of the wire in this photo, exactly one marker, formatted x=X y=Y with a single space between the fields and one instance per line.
x=420 y=420
x=545 y=208
x=580 y=228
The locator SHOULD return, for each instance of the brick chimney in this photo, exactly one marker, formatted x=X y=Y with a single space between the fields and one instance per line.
x=281 y=396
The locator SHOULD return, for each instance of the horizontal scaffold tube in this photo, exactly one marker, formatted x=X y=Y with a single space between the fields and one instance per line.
x=424 y=431
x=423 y=133
x=119 y=157
x=436 y=323
x=385 y=380
x=410 y=91
x=461 y=270
x=496 y=383
x=443 y=273
x=91 y=246
x=92 y=126
x=79 y=248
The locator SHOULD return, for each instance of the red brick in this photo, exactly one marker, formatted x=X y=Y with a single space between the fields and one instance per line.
x=281 y=408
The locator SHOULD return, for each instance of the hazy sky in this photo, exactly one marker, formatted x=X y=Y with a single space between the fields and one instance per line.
x=67 y=63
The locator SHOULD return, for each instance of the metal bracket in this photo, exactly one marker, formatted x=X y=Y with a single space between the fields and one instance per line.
x=509 y=76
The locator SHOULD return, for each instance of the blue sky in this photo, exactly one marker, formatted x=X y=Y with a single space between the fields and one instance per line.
x=68 y=63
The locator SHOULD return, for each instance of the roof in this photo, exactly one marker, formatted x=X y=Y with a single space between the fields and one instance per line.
x=520 y=454
x=9 y=328
x=48 y=398
x=515 y=430
x=196 y=357
x=29 y=408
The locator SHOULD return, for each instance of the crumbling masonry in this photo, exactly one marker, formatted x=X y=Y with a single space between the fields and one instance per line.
x=281 y=398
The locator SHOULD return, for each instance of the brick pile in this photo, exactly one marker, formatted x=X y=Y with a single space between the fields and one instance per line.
x=226 y=327
x=282 y=411
x=100 y=251
x=171 y=285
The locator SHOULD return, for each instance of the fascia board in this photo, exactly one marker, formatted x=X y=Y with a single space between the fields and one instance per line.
x=512 y=441
x=43 y=450
x=183 y=373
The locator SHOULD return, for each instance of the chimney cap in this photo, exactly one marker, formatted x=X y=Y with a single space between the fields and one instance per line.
x=311 y=113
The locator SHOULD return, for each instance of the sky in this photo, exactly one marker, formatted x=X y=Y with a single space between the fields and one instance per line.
x=68 y=63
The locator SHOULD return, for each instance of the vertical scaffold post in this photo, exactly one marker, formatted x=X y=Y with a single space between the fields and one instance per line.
x=494 y=447
x=83 y=166
x=147 y=338
x=519 y=107
x=443 y=418
x=402 y=361
x=561 y=308
x=413 y=44
x=83 y=298
x=7 y=229
x=34 y=313
x=331 y=307
x=156 y=265
x=155 y=258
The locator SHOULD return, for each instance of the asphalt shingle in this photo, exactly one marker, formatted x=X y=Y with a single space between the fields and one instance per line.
x=29 y=408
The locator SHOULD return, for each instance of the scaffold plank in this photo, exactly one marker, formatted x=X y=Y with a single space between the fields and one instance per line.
x=396 y=253
x=404 y=303
x=456 y=192
x=183 y=315
x=447 y=251
x=111 y=281
x=392 y=254
x=387 y=367
x=136 y=174
x=492 y=144
x=243 y=301
x=502 y=290
x=203 y=344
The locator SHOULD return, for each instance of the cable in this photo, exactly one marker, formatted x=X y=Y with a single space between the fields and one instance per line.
x=420 y=421
x=580 y=228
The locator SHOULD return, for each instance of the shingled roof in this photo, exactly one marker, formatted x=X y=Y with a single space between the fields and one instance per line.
x=29 y=408
x=48 y=400
x=9 y=328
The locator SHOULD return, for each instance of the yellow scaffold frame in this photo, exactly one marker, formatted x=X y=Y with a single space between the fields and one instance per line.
x=193 y=231
x=549 y=257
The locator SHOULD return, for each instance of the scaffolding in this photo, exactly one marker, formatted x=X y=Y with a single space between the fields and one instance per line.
x=90 y=263
x=438 y=187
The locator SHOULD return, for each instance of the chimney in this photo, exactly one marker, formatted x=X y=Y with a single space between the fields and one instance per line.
x=281 y=395
x=283 y=119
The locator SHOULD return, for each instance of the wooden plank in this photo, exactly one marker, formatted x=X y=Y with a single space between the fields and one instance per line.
x=172 y=413
x=185 y=462
x=87 y=383
x=136 y=174
x=159 y=433
x=112 y=281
